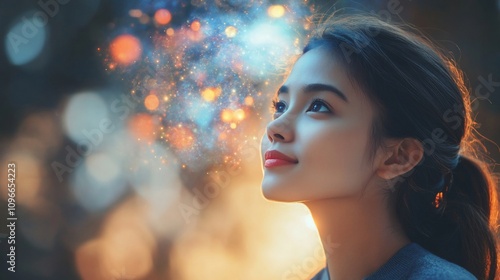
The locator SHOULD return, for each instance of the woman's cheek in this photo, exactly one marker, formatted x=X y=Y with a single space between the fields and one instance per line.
x=337 y=157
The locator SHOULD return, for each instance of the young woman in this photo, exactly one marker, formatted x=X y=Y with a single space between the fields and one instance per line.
x=372 y=131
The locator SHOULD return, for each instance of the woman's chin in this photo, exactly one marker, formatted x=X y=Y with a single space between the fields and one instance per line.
x=278 y=193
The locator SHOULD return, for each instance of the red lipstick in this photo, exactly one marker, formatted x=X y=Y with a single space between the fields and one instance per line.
x=274 y=158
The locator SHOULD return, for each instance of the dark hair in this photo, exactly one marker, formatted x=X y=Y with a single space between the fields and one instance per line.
x=448 y=202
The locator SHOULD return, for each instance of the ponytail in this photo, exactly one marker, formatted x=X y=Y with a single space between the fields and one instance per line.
x=471 y=205
x=460 y=227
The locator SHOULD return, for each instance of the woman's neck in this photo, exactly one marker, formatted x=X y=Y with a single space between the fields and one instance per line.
x=359 y=234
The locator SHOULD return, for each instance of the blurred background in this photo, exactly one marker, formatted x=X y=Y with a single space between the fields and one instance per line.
x=135 y=129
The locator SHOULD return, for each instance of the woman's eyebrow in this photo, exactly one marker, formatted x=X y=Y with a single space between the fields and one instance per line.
x=282 y=89
x=324 y=87
x=315 y=88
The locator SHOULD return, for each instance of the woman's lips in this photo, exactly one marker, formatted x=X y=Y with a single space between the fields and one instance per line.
x=274 y=158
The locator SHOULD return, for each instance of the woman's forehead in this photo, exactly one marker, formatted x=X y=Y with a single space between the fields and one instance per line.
x=318 y=66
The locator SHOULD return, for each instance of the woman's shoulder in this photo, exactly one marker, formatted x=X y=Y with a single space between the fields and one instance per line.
x=321 y=275
x=414 y=262
x=426 y=265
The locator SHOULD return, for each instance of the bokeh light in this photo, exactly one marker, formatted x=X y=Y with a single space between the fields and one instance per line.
x=163 y=16
x=135 y=13
x=155 y=177
x=98 y=182
x=143 y=127
x=125 y=247
x=249 y=101
x=226 y=115
x=231 y=31
x=276 y=11
x=210 y=94
x=151 y=102
x=239 y=114
x=26 y=37
x=102 y=167
x=126 y=49
x=84 y=116
x=195 y=25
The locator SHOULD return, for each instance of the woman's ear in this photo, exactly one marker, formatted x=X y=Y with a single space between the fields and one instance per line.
x=400 y=157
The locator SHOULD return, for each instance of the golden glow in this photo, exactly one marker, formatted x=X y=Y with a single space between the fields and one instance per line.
x=170 y=31
x=143 y=127
x=125 y=49
x=196 y=25
x=232 y=116
x=151 y=102
x=126 y=246
x=210 y=94
x=231 y=31
x=276 y=11
x=180 y=137
x=163 y=16
x=226 y=115
x=249 y=101
x=239 y=114
x=296 y=255
x=309 y=222
x=126 y=252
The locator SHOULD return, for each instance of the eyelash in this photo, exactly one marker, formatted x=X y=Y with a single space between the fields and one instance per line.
x=274 y=106
x=323 y=103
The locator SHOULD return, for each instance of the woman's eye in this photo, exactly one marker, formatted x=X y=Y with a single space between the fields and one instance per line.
x=319 y=106
x=279 y=106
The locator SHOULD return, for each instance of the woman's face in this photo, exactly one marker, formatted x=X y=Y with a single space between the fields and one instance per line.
x=323 y=125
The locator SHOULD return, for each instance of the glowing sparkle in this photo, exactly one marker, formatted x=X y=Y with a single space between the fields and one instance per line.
x=163 y=16
x=202 y=76
x=151 y=102
x=231 y=31
x=125 y=49
x=210 y=94
x=226 y=115
x=180 y=137
x=239 y=114
x=249 y=101
x=276 y=11
x=195 y=25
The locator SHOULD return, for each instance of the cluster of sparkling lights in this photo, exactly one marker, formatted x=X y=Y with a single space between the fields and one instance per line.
x=201 y=76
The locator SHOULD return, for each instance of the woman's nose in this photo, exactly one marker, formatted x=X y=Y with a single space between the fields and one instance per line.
x=280 y=130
